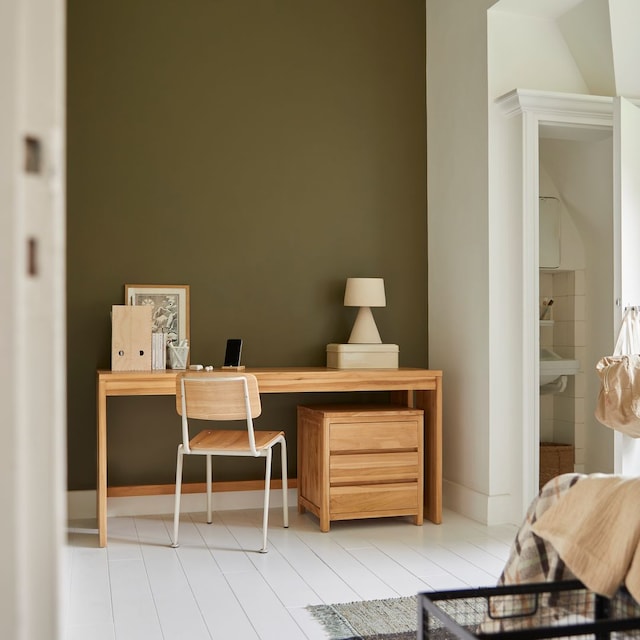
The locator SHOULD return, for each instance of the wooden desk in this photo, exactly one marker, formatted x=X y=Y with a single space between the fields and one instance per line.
x=420 y=388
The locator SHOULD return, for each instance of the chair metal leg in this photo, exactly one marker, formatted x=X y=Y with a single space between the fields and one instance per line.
x=265 y=513
x=285 y=486
x=209 y=478
x=176 y=507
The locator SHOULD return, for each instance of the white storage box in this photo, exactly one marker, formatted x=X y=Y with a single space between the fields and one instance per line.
x=362 y=356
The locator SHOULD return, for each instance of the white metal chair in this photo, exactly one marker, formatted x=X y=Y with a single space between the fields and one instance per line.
x=225 y=396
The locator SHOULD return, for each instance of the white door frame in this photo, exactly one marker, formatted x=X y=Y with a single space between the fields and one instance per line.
x=626 y=195
x=538 y=108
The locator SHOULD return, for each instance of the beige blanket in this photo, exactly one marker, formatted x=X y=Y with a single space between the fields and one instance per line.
x=595 y=528
x=532 y=559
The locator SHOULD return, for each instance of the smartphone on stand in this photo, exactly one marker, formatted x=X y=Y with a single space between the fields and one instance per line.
x=233 y=352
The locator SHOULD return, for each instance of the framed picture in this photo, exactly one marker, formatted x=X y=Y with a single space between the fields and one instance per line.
x=170 y=307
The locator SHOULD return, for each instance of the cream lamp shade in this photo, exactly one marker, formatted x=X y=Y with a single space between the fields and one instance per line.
x=364 y=293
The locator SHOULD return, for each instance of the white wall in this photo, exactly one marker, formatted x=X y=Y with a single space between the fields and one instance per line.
x=457 y=242
x=624 y=17
x=505 y=329
x=587 y=31
x=530 y=53
x=525 y=52
x=476 y=252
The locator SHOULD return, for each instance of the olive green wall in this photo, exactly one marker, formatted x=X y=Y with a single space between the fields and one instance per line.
x=261 y=151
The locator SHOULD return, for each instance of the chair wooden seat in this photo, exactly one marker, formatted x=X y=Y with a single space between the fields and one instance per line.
x=226 y=441
x=222 y=396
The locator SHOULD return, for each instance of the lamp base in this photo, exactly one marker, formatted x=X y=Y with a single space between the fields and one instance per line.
x=362 y=356
x=364 y=328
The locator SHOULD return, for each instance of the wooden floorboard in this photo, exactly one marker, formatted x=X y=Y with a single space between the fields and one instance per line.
x=216 y=585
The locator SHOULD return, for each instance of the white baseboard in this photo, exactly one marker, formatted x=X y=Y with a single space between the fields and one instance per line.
x=82 y=504
x=488 y=510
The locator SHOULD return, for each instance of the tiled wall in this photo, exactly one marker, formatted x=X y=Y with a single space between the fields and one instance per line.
x=562 y=415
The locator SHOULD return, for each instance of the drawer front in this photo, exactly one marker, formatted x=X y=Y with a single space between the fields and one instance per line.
x=374 y=499
x=368 y=436
x=360 y=468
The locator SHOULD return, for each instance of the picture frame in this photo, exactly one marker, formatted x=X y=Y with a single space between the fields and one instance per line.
x=171 y=307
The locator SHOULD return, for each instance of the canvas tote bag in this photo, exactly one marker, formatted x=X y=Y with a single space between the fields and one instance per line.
x=619 y=398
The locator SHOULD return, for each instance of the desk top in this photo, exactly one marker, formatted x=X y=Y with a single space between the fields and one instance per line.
x=280 y=380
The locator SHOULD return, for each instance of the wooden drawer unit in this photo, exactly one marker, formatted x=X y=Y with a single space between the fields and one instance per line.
x=360 y=461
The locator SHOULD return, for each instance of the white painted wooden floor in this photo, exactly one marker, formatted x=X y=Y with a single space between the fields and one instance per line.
x=215 y=586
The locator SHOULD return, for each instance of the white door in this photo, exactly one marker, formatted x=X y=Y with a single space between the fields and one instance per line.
x=626 y=212
x=32 y=323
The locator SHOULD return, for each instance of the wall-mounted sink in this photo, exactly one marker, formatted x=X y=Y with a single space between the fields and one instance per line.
x=552 y=366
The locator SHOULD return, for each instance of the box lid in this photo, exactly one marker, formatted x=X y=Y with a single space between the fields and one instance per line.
x=362 y=348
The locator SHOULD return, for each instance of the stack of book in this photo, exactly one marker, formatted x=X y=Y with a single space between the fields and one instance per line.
x=159 y=350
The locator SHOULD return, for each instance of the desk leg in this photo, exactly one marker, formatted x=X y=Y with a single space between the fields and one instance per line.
x=404 y=398
x=101 y=489
x=431 y=403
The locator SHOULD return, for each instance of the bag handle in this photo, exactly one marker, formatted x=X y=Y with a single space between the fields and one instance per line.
x=628 y=341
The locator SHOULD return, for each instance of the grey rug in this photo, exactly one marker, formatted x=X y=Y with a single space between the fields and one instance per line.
x=392 y=619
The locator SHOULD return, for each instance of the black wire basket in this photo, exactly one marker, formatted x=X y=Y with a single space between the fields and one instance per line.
x=541 y=610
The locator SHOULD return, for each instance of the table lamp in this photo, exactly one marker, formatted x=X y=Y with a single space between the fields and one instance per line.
x=364 y=293
x=364 y=349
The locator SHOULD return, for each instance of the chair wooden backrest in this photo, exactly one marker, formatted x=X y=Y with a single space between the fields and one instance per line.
x=217 y=396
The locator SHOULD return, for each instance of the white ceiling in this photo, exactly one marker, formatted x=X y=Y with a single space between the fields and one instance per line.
x=537 y=8
x=587 y=32
x=601 y=35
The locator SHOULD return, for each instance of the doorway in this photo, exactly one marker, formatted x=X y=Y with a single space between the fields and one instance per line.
x=570 y=142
